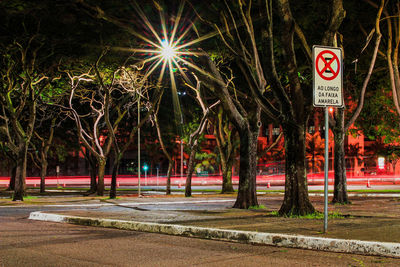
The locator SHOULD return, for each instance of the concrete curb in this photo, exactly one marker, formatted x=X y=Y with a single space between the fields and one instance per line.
x=281 y=240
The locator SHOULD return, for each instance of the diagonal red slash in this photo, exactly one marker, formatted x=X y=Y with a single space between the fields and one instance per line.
x=327 y=65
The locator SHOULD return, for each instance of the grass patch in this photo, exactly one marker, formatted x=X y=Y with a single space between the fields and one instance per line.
x=271 y=191
x=172 y=190
x=313 y=216
x=275 y=213
x=108 y=198
x=68 y=188
x=30 y=197
x=376 y=191
x=257 y=207
x=361 y=191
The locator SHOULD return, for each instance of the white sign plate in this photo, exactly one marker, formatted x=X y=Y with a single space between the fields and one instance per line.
x=327 y=76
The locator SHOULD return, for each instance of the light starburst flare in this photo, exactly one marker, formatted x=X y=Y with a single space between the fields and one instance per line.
x=167 y=51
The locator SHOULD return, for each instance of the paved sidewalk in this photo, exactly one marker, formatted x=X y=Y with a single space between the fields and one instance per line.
x=370 y=225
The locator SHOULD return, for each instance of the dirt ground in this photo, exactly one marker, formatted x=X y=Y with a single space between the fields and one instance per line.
x=372 y=219
x=366 y=218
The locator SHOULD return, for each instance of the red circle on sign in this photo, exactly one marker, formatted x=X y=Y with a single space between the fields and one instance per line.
x=327 y=65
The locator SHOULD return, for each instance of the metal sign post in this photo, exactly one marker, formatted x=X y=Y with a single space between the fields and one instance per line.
x=328 y=92
x=326 y=169
x=157 y=175
x=58 y=175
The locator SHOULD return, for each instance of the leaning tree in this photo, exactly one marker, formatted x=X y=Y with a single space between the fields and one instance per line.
x=261 y=36
x=24 y=77
x=338 y=122
x=97 y=90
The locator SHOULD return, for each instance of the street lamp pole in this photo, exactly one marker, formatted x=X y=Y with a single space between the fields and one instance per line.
x=138 y=122
x=181 y=146
x=181 y=157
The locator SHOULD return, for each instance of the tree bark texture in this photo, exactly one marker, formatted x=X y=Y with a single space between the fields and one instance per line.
x=101 y=171
x=20 y=174
x=190 y=169
x=11 y=185
x=340 y=187
x=340 y=127
x=227 y=186
x=93 y=173
x=247 y=195
x=245 y=117
x=115 y=168
x=224 y=136
x=296 y=201
x=93 y=180
x=169 y=172
x=43 y=172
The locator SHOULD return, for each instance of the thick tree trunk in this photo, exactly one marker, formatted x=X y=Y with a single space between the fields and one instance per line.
x=43 y=173
x=169 y=172
x=296 y=201
x=247 y=195
x=340 y=187
x=19 y=191
x=101 y=171
x=189 y=174
x=11 y=185
x=227 y=186
x=20 y=174
x=93 y=180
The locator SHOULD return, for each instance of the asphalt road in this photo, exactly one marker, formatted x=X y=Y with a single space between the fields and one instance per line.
x=33 y=243
x=153 y=181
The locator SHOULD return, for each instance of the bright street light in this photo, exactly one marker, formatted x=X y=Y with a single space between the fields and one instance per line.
x=168 y=51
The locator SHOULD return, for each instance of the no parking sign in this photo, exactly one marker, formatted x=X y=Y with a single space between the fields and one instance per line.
x=328 y=92
x=327 y=76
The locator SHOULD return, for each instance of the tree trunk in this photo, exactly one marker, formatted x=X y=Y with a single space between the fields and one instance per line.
x=115 y=169
x=101 y=170
x=296 y=201
x=270 y=131
x=247 y=195
x=227 y=186
x=20 y=174
x=11 y=186
x=43 y=172
x=340 y=187
x=190 y=169
x=93 y=180
x=93 y=174
x=19 y=188
x=223 y=136
x=169 y=172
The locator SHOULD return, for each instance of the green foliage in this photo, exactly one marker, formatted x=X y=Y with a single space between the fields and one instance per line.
x=259 y=207
x=274 y=213
x=207 y=161
x=30 y=197
x=61 y=152
x=190 y=127
x=379 y=103
x=315 y=216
